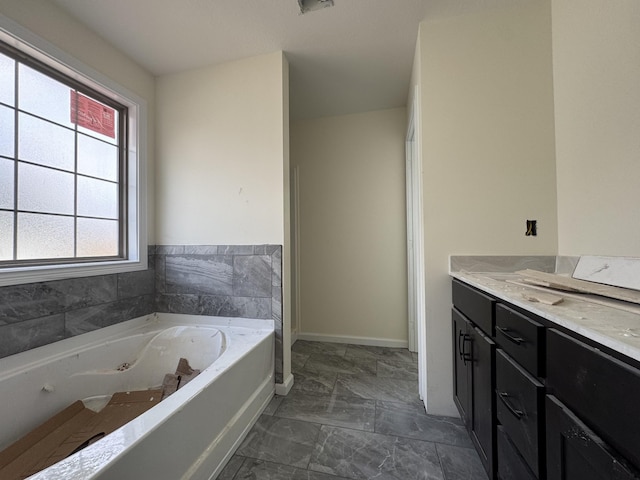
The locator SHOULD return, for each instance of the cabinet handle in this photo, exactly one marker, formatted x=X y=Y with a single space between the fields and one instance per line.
x=466 y=356
x=505 y=332
x=504 y=396
x=460 y=344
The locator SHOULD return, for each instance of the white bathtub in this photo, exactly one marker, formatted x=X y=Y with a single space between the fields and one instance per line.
x=189 y=435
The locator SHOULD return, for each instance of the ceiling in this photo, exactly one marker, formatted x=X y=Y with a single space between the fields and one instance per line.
x=353 y=57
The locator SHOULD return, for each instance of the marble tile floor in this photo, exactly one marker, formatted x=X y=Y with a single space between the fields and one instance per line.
x=353 y=413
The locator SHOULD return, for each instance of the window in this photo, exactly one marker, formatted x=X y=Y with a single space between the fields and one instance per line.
x=71 y=167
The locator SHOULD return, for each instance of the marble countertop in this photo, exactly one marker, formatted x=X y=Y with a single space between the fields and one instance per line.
x=611 y=323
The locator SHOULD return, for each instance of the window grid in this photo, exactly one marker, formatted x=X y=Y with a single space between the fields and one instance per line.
x=120 y=144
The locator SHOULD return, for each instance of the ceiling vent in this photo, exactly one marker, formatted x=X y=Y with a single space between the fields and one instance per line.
x=311 y=5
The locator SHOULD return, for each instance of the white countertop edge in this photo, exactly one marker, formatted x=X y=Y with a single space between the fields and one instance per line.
x=546 y=312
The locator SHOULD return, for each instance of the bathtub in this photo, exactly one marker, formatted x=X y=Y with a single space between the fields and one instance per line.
x=189 y=435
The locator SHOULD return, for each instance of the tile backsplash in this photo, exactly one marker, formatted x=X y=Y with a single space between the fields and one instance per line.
x=217 y=280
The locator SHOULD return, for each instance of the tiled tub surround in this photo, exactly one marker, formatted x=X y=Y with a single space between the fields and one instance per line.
x=217 y=280
x=615 y=325
x=36 y=314
x=222 y=280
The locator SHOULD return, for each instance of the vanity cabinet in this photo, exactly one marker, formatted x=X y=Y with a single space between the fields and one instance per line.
x=474 y=367
x=593 y=420
x=562 y=407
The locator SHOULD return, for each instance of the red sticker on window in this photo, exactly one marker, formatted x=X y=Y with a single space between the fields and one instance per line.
x=91 y=114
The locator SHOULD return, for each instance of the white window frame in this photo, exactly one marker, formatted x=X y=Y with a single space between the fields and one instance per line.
x=24 y=40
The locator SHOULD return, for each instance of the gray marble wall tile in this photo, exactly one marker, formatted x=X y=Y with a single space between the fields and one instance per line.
x=364 y=455
x=276 y=268
x=260 y=250
x=135 y=284
x=98 y=316
x=24 y=302
x=160 y=273
x=29 y=334
x=280 y=440
x=276 y=304
x=182 y=303
x=228 y=306
x=87 y=291
x=169 y=249
x=199 y=274
x=235 y=249
x=201 y=249
x=252 y=275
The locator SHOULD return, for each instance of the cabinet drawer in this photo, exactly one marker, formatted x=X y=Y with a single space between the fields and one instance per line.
x=519 y=407
x=477 y=306
x=522 y=338
x=574 y=452
x=600 y=389
x=510 y=464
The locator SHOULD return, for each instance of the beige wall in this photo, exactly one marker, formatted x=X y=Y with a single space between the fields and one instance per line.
x=596 y=63
x=352 y=225
x=47 y=21
x=487 y=138
x=221 y=154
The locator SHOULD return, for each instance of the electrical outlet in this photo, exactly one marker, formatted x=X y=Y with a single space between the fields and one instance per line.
x=532 y=228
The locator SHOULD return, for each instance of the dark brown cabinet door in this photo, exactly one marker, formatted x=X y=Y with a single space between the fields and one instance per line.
x=575 y=452
x=473 y=385
x=461 y=365
x=483 y=401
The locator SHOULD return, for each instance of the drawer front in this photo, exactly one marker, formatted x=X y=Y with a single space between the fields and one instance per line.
x=519 y=407
x=477 y=306
x=600 y=389
x=511 y=465
x=574 y=452
x=522 y=338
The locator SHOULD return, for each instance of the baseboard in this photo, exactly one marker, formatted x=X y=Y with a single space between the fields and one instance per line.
x=294 y=336
x=375 y=342
x=285 y=387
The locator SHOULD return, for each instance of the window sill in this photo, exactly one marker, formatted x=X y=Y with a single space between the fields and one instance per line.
x=35 y=274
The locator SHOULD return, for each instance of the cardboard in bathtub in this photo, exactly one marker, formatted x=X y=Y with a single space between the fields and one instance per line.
x=70 y=431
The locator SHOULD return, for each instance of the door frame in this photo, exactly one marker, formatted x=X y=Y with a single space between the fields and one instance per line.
x=415 y=244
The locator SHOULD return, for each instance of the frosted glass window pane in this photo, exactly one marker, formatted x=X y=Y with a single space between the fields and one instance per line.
x=44 y=236
x=44 y=190
x=97 y=198
x=7 y=129
x=44 y=96
x=97 y=237
x=7 y=173
x=6 y=236
x=7 y=80
x=45 y=143
x=97 y=159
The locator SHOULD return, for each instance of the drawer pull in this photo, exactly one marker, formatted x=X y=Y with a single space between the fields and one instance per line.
x=504 y=397
x=505 y=332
